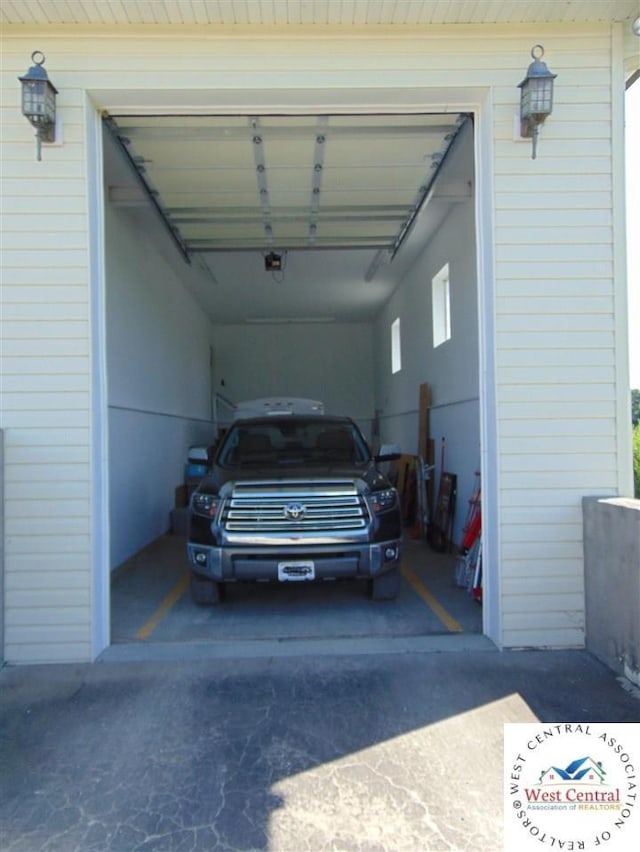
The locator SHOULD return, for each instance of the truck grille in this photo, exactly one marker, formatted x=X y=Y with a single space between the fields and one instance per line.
x=285 y=507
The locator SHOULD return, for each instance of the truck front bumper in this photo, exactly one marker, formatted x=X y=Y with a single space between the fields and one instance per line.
x=229 y=564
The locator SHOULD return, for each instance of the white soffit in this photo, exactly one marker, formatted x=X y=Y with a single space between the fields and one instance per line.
x=313 y=12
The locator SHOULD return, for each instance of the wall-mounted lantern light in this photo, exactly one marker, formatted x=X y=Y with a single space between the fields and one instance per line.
x=536 y=97
x=39 y=101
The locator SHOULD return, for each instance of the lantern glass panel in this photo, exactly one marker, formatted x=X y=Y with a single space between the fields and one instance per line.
x=525 y=100
x=49 y=103
x=38 y=102
x=33 y=94
x=541 y=96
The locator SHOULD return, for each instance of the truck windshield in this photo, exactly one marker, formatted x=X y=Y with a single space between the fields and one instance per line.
x=291 y=441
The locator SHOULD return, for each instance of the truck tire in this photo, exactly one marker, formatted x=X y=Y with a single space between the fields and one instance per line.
x=205 y=592
x=387 y=586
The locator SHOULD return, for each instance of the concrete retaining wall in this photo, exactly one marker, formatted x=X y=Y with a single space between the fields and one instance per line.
x=612 y=582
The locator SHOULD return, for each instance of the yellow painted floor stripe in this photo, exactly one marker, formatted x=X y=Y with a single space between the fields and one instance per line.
x=181 y=586
x=174 y=595
x=448 y=620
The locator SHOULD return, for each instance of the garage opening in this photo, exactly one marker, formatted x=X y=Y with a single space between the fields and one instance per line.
x=324 y=256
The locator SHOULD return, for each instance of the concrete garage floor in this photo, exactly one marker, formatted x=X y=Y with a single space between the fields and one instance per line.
x=150 y=603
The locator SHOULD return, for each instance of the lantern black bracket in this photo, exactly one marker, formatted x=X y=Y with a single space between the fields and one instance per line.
x=39 y=101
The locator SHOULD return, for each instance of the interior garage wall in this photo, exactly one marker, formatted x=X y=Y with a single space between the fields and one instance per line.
x=332 y=362
x=451 y=369
x=158 y=378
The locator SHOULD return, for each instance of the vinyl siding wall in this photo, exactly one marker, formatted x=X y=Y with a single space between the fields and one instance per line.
x=557 y=345
x=46 y=393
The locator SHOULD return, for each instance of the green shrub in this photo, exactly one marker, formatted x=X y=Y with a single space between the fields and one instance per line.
x=636 y=461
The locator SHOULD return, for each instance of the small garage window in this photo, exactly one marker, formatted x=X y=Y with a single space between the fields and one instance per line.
x=441 y=306
x=396 y=360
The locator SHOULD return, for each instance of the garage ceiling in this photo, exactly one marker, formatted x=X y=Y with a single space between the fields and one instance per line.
x=247 y=183
x=364 y=193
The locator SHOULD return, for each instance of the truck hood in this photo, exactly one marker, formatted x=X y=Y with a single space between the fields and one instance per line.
x=367 y=472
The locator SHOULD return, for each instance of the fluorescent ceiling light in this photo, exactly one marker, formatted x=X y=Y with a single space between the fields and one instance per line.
x=274 y=320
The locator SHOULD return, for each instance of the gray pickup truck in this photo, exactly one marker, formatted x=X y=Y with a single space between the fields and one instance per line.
x=295 y=498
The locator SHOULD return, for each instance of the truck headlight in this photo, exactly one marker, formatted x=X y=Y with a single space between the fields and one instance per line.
x=382 y=501
x=205 y=504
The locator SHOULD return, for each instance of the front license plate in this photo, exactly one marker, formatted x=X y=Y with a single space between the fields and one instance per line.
x=293 y=571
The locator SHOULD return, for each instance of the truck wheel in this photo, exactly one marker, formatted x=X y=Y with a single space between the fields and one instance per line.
x=205 y=592
x=387 y=586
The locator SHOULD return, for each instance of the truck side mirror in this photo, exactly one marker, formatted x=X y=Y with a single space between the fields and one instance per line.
x=388 y=452
x=199 y=456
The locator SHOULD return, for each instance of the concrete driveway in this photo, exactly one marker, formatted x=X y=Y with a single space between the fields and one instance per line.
x=338 y=747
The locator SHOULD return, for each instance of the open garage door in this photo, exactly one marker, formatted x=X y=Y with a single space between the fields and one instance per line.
x=329 y=256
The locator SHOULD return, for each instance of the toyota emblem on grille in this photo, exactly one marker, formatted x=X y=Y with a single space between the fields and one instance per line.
x=294 y=511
